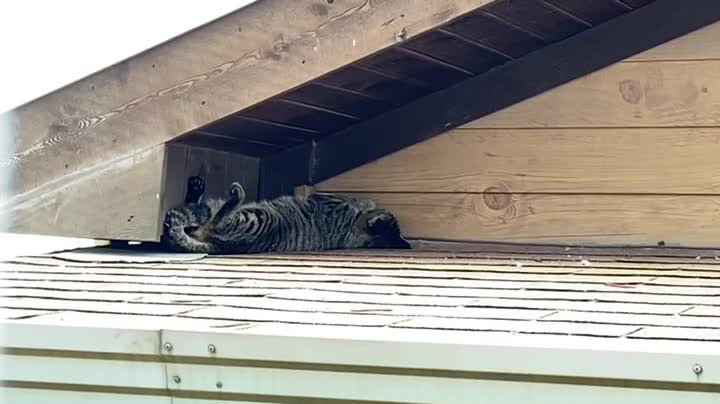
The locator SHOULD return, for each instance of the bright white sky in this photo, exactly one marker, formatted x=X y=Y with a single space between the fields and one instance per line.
x=47 y=44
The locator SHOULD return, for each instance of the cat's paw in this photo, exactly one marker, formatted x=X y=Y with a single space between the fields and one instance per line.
x=174 y=219
x=382 y=221
x=237 y=192
x=195 y=189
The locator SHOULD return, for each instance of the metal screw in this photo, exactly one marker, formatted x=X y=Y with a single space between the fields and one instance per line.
x=697 y=369
x=176 y=379
x=212 y=349
x=218 y=385
x=167 y=346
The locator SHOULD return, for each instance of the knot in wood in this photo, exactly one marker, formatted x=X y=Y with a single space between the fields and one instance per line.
x=280 y=46
x=496 y=199
x=631 y=91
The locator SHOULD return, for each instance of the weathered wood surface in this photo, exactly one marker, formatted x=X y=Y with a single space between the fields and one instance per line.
x=684 y=220
x=127 y=199
x=120 y=200
x=548 y=160
x=624 y=155
x=701 y=44
x=264 y=49
x=628 y=94
x=531 y=292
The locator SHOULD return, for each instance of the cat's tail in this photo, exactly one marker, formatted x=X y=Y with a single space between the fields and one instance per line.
x=177 y=239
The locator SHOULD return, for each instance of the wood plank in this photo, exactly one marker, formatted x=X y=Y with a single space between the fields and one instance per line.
x=538 y=18
x=547 y=161
x=174 y=182
x=110 y=307
x=706 y=311
x=531 y=327
x=658 y=94
x=325 y=296
x=513 y=82
x=592 y=11
x=679 y=333
x=440 y=266
x=498 y=308
x=245 y=314
x=202 y=76
x=120 y=200
x=477 y=296
x=458 y=269
x=142 y=321
x=557 y=219
x=581 y=306
x=701 y=44
x=379 y=276
x=634 y=319
x=18 y=314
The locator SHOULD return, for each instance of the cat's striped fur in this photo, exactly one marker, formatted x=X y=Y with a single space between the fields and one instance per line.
x=318 y=222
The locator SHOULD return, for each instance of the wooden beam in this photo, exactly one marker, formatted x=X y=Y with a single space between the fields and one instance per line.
x=660 y=21
x=127 y=199
x=120 y=200
x=576 y=219
x=647 y=94
x=697 y=45
x=250 y=55
x=549 y=160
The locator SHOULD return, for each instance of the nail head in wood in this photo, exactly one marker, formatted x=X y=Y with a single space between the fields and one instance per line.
x=697 y=369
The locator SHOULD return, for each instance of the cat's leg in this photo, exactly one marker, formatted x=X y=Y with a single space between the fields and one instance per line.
x=195 y=189
x=176 y=237
x=365 y=205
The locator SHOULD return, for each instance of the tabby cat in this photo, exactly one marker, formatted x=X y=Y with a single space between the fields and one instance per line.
x=283 y=224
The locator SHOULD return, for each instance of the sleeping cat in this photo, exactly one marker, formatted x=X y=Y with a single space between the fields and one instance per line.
x=283 y=224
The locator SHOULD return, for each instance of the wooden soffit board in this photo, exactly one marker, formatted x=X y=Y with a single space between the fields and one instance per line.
x=248 y=56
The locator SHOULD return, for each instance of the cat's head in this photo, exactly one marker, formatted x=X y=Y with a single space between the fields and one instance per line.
x=383 y=230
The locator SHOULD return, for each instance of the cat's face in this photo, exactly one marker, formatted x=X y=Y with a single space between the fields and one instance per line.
x=383 y=231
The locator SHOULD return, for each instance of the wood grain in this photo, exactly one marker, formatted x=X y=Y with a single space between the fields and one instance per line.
x=667 y=94
x=697 y=45
x=223 y=67
x=662 y=161
x=558 y=219
x=120 y=201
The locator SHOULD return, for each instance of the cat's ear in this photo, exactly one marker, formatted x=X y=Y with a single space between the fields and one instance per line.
x=237 y=192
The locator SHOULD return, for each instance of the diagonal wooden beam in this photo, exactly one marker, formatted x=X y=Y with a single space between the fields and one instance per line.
x=250 y=55
x=513 y=82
